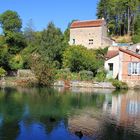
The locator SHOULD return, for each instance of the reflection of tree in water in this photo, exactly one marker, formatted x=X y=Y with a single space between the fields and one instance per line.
x=11 y=111
x=50 y=122
x=9 y=130
x=45 y=106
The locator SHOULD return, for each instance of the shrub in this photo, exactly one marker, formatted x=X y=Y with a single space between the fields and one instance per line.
x=2 y=72
x=119 y=84
x=43 y=69
x=65 y=74
x=86 y=75
x=16 y=62
x=101 y=75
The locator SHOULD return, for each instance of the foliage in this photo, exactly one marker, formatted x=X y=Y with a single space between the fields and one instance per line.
x=119 y=14
x=63 y=74
x=10 y=21
x=51 y=45
x=43 y=70
x=136 y=36
x=2 y=72
x=4 y=56
x=101 y=75
x=119 y=84
x=78 y=58
x=86 y=75
x=32 y=46
x=11 y=25
x=16 y=62
x=15 y=41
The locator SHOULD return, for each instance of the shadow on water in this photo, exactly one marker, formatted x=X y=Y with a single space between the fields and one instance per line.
x=52 y=114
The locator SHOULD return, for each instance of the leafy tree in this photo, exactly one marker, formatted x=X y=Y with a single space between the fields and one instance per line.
x=16 y=62
x=11 y=25
x=33 y=40
x=29 y=32
x=136 y=36
x=52 y=45
x=78 y=58
x=119 y=14
x=3 y=53
x=10 y=22
x=2 y=72
x=43 y=69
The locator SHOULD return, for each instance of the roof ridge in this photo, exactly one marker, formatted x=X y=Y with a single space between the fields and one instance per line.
x=130 y=52
x=88 y=20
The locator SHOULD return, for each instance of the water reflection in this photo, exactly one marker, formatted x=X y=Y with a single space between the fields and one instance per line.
x=46 y=114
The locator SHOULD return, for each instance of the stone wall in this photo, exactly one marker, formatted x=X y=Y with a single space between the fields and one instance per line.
x=85 y=84
x=25 y=73
x=83 y=35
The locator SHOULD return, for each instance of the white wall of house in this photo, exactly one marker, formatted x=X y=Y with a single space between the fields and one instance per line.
x=115 y=61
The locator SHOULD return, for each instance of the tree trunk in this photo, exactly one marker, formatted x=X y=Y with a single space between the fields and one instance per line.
x=128 y=29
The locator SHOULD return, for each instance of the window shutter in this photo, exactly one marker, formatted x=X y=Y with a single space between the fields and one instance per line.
x=129 y=68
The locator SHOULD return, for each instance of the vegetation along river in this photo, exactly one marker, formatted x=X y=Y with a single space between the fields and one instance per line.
x=57 y=114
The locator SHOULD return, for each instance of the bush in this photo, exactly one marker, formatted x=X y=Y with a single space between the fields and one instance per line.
x=86 y=75
x=16 y=62
x=43 y=69
x=2 y=72
x=101 y=75
x=79 y=58
x=65 y=74
x=119 y=84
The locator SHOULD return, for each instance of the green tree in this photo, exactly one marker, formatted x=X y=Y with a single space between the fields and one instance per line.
x=11 y=25
x=43 y=69
x=10 y=22
x=3 y=53
x=16 y=62
x=2 y=72
x=78 y=58
x=119 y=14
x=52 y=44
x=136 y=36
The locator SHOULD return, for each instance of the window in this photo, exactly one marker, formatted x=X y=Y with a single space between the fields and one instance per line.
x=90 y=41
x=110 y=66
x=73 y=41
x=134 y=68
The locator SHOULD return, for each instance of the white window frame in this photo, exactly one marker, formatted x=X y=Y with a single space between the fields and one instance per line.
x=134 y=68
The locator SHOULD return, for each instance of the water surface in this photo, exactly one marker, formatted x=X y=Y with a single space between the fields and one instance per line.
x=55 y=114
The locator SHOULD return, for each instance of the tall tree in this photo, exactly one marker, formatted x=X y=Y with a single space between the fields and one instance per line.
x=119 y=14
x=10 y=21
x=52 y=44
x=11 y=25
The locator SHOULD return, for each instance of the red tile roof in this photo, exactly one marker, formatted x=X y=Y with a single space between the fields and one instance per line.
x=130 y=53
x=112 y=53
x=90 y=23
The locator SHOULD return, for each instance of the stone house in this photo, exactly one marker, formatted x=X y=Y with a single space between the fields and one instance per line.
x=129 y=66
x=124 y=64
x=92 y=34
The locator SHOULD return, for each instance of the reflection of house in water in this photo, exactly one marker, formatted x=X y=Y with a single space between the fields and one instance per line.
x=84 y=123
x=125 y=107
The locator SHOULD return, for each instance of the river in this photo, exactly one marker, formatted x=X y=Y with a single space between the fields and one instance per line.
x=75 y=114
